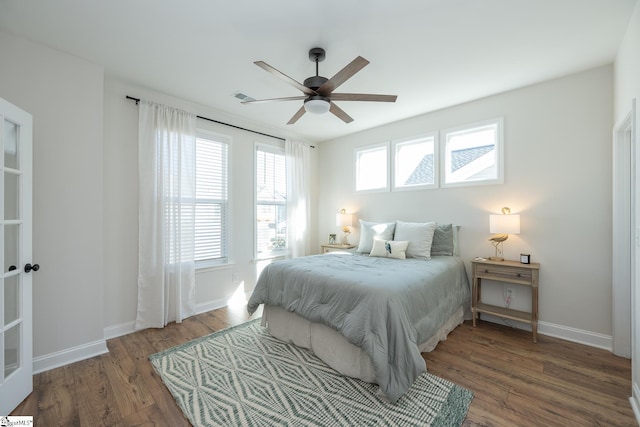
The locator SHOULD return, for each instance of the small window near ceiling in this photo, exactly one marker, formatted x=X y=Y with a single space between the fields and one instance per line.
x=271 y=202
x=212 y=201
x=415 y=163
x=472 y=155
x=371 y=168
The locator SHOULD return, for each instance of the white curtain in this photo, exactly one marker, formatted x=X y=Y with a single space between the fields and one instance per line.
x=297 y=165
x=166 y=266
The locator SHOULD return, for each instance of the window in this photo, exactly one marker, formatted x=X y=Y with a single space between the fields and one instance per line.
x=212 y=200
x=271 y=202
x=371 y=168
x=415 y=163
x=473 y=155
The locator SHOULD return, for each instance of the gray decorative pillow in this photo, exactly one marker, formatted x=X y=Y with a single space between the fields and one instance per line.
x=419 y=235
x=370 y=230
x=442 y=240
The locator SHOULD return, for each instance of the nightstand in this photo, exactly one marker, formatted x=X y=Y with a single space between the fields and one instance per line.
x=506 y=272
x=334 y=248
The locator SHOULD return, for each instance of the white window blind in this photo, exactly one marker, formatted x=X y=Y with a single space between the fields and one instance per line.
x=371 y=164
x=271 y=202
x=211 y=201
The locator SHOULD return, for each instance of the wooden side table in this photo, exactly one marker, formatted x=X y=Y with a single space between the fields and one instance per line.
x=507 y=272
x=333 y=248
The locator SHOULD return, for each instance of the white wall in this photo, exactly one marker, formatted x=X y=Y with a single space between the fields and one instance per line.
x=557 y=176
x=627 y=87
x=65 y=96
x=214 y=287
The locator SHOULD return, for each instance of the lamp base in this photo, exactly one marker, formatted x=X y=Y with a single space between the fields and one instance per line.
x=496 y=258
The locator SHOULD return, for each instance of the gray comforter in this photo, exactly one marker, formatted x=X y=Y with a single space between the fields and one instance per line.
x=385 y=306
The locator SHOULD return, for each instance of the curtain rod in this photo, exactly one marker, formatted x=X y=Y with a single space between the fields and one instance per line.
x=137 y=100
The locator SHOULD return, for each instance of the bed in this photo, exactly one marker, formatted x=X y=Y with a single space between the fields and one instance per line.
x=366 y=316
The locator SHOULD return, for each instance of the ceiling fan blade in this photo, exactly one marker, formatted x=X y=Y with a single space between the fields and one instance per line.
x=363 y=97
x=296 y=116
x=342 y=76
x=284 y=77
x=339 y=113
x=290 y=98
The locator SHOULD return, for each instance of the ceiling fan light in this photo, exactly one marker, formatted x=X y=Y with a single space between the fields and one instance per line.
x=316 y=106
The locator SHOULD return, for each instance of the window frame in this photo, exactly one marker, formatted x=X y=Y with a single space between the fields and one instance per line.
x=356 y=167
x=468 y=128
x=277 y=253
x=226 y=223
x=436 y=161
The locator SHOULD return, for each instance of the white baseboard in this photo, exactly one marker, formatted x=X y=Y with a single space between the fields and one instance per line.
x=635 y=401
x=212 y=305
x=567 y=333
x=70 y=355
x=579 y=336
x=119 y=330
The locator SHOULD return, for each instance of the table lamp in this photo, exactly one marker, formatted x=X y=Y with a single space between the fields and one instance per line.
x=502 y=226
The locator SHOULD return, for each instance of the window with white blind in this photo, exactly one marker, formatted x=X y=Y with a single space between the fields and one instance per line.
x=371 y=167
x=271 y=202
x=212 y=201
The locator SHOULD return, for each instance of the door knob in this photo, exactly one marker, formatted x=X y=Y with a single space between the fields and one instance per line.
x=28 y=267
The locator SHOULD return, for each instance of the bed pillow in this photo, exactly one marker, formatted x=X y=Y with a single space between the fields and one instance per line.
x=419 y=235
x=370 y=230
x=456 y=230
x=442 y=240
x=389 y=248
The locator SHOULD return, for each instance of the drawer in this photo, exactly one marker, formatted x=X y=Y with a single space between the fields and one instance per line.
x=498 y=272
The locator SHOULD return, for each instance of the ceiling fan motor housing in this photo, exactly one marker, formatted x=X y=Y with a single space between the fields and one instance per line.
x=315 y=82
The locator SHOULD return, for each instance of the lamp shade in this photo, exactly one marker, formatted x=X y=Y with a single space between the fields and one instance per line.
x=504 y=224
x=343 y=219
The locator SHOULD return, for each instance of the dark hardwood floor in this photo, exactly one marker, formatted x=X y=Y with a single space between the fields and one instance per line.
x=515 y=382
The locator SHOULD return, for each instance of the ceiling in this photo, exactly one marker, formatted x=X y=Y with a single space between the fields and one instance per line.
x=431 y=53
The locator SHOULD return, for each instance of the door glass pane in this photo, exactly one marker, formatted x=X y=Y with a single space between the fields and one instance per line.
x=11 y=187
x=10 y=144
x=11 y=246
x=11 y=350
x=11 y=299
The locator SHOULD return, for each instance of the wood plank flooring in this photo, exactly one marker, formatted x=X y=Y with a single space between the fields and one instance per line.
x=515 y=382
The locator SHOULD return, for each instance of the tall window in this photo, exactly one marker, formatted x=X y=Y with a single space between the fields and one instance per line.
x=271 y=202
x=212 y=201
x=371 y=168
x=472 y=155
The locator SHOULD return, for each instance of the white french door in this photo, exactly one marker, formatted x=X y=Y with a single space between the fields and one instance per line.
x=16 y=366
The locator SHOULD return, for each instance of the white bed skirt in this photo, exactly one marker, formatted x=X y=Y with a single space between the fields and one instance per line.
x=331 y=347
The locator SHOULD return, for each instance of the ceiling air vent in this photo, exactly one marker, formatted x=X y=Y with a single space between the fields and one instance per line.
x=242 y=97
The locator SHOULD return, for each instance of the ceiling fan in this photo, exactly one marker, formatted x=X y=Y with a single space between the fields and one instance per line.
x=318 y=91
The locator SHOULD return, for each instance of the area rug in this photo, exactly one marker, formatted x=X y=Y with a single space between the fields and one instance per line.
x=242 y=376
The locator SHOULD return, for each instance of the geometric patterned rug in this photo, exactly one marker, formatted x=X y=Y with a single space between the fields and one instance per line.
x=242 y=376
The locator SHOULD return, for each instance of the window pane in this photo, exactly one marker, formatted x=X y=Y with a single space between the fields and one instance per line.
x=371 y=169
x=414 y=163
x=471 y=155
x=271 y=203
x=211 y=200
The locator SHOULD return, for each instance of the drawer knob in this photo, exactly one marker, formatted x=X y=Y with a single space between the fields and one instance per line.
x=519 y=275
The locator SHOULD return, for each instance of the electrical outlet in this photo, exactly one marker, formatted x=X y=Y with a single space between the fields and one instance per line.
x=234 y=277
x=508 y=297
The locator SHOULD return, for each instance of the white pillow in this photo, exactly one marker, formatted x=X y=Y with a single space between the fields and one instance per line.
x=419 y=235
x=389 y=249
x=370 y=230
